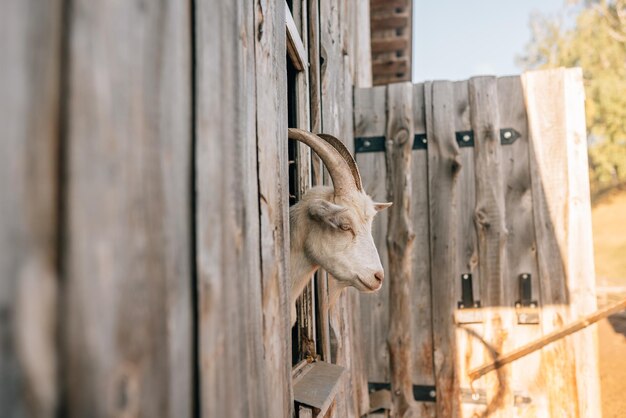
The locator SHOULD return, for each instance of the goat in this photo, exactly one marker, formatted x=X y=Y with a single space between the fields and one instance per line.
x=331 y=227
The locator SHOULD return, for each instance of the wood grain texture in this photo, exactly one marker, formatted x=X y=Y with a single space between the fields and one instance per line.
x=370 y=119
x=544 y=93
x=271 y=100
x=127 y=259
x=30 y=100
x=443 y=169
x=400 y=238
x=469 y=344
x=521 y=244
x=336 y=119
x=555 y=101
x=362 y=47
x=490 y=222
x=421 y=322
x=580 y=266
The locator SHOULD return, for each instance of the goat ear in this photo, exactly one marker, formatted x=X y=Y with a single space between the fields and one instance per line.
x=382 y=206
x=324 y=211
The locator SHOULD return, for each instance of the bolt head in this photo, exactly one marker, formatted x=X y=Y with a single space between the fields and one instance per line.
x=366 y=143
x=432 y=394
x=466 y=138
x=465 y=276
x=424 y=140
x=508 y=134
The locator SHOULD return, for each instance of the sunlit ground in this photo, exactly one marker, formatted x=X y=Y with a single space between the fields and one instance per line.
x=609 y=231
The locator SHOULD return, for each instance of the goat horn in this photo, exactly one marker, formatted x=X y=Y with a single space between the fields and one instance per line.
x=340 y=171
x=343 y=151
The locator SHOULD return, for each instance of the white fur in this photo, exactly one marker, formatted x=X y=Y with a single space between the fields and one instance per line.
x=318 y=240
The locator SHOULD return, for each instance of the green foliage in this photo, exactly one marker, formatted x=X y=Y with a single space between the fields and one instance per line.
x=596 y=42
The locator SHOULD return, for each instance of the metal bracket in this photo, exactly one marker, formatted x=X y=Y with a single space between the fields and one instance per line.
x=476 y=396
x=420 y=141
x=525 y=292
x=526 y=307
x=467 y=293
x=377 y=143
x=422 y=393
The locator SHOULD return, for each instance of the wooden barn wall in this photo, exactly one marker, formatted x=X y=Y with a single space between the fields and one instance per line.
x=143 y=205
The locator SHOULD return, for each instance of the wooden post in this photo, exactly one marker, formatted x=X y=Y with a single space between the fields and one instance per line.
x=400 y=236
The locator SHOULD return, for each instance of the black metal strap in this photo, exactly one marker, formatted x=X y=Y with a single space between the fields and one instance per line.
x=420 y=141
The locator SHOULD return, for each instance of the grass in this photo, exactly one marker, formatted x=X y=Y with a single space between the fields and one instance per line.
x=609 y=239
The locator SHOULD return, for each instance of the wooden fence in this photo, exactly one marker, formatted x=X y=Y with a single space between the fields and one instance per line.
x=499 y=205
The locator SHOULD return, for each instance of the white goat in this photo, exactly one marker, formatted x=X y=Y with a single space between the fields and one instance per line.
x=331 y=227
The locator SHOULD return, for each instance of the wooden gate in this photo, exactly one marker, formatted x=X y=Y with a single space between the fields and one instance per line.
x=502 y=252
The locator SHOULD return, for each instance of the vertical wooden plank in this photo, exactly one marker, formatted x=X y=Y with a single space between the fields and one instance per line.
x=271 y=100
x=544 y=98
x=30 y=65
x=580 y=267
x=370 y=120
x=127 y=307
x=421 y=327
x=333 y=118
x=469 y=346
x=521 y=245
x=444 y=164
x=231 y=349
x=554 y=102
x=489 y=219
x=400 y=237
x=362 y=48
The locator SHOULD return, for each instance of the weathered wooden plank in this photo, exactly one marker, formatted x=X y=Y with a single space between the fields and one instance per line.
x=400 y=237
x=271 y=100
x=318 y=384
x=295 y=43
x=521 y=244
x=444 y=164
x=470 y=349
x=581 y=279
x=389 y=44
x=391 y=67
x=489 y=218
x=556 y=122
x=128 y=240
x=547 y=122
x=421 y=324
x=370 y=120
x=363 y=50
x=30 y=99
x=395 y=21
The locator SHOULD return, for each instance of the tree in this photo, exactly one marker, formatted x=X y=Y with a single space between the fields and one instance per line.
x=596 y=42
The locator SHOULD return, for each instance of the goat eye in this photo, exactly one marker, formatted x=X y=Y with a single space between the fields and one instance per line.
x=345 y=227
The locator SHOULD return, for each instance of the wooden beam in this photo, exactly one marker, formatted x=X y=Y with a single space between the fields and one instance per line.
x=385 y=5
x=389 y=45
x=295 y=46
x=400 y=66
x=389 y=22
x=549 y=338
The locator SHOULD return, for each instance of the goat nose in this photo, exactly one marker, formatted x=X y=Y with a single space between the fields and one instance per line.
x=380 y=275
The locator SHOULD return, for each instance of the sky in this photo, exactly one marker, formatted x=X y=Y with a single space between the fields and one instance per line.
x=457 y=39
